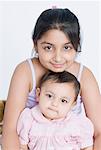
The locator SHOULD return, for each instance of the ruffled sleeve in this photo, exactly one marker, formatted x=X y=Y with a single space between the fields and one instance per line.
x=87 y=131
x=24 y=125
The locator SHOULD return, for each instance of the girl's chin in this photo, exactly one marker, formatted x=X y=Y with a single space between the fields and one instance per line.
x=55 y=69
x=58 y=69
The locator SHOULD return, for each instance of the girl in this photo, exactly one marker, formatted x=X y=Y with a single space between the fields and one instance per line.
x=56 y=40
x=56 y=123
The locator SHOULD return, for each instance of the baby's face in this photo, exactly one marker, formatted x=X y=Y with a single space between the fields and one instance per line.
x=56 y=99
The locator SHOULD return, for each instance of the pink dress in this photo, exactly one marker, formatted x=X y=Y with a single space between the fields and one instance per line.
x=74 y=132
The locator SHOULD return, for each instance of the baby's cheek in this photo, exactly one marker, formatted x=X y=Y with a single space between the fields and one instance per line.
x=64 y=111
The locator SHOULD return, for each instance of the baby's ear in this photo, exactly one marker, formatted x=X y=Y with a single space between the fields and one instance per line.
x=37 y=94
x=74 y=103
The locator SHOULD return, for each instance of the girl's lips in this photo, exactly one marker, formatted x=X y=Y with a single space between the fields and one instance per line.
x=58 y=65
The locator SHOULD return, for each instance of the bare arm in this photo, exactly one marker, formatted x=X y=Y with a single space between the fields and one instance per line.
x=16 y=100
x=92 y=102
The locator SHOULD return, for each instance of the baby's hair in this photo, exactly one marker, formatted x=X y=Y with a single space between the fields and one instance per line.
x=59 y=19
x=61 y=77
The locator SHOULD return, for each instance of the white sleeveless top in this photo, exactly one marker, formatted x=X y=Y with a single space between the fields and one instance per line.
x=31 y=102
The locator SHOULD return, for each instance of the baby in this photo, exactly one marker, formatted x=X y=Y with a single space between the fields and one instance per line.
x=55 y=124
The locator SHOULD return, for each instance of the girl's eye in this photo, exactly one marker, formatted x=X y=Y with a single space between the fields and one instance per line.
x=64 y=101
x=66 y=48
x=48 y=48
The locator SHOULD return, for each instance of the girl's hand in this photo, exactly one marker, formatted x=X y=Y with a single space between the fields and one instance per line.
x=23 y=147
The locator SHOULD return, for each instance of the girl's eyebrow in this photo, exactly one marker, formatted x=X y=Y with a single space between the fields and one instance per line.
x=68 y=43
x=53 y=44
x=46 y=43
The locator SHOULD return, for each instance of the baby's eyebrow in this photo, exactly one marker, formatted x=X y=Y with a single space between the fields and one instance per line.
x=68 y=98
x=49 y=92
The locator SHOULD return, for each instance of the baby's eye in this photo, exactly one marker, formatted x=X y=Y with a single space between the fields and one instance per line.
x=64 y=101
x=49 y=95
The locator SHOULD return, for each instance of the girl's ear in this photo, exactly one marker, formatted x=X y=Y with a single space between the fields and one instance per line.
x=37 y=94
x=35 y=48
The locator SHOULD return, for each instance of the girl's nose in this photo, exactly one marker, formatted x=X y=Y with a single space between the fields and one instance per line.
x=57 y=57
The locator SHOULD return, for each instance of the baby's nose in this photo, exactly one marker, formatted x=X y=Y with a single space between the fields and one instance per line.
x=55 y=102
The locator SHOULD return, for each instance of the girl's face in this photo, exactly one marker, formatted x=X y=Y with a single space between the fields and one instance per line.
x=55 y=99
x=55 y=51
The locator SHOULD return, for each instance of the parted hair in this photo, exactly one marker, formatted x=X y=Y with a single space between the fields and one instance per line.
x=60 y=19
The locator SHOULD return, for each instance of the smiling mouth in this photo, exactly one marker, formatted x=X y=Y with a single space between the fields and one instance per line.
x=57 y=65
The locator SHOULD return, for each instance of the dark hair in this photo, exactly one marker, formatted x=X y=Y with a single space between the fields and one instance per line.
x=60 y=19
x=61 y=77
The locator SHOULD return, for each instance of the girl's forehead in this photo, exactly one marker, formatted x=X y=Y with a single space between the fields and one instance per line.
x=55 y=34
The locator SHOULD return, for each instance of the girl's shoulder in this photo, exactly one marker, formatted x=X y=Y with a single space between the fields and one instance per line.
x=87 y=75
x=88 y=84
x=85 y=72
x=24 y=67
x=24 y=70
